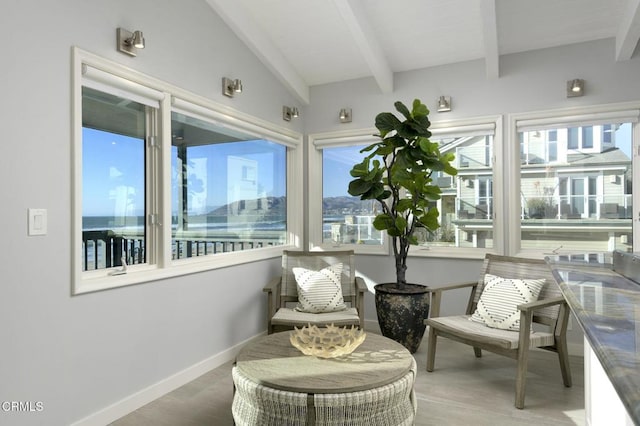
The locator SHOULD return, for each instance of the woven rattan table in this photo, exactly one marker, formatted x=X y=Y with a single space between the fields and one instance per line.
x=276 y=384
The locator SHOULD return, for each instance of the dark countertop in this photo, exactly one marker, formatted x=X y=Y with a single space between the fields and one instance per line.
x=607 y=307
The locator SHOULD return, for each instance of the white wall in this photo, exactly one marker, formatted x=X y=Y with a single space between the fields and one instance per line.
x=78 y=355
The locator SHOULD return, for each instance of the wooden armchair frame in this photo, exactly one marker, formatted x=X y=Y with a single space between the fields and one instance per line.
x=282 y=292
x=550 y=311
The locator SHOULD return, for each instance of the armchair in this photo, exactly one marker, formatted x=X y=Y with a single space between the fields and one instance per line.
x=282 y=292
x=550 y=312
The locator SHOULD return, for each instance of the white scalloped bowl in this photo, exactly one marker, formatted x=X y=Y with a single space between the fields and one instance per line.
x=327 y=342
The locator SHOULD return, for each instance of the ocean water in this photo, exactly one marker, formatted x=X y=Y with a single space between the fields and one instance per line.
x=94 y=223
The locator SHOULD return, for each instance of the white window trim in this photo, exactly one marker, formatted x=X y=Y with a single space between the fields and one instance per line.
x=539 y=120
x=84 y=282
x=465 y=127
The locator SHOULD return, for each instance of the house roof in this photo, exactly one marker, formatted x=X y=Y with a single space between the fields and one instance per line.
x=610 y=156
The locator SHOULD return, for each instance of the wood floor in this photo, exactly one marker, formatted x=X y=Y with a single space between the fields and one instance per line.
x=462 y=390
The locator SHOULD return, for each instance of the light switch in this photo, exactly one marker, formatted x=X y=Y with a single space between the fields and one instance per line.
x=37 y=222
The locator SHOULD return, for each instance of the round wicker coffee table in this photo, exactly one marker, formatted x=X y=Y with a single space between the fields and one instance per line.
x=276 y=384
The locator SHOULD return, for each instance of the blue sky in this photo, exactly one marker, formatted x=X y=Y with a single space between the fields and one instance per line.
x=113 y=168
x=336 y=165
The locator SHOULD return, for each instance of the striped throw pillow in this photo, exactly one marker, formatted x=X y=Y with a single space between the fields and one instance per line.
x=498 y=304
x=319 y=291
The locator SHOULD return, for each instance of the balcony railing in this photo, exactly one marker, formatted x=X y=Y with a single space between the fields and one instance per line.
x=473 y=156
x=104 y=248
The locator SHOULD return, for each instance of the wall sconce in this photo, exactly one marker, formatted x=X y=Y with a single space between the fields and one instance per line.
x=575 y=88
x=289 y=112
x=231 y=87
x=444 y=103
x=128 y=42
x=345 y=115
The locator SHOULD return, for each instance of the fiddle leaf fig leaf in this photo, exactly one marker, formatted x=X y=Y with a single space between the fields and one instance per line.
x=360 y=169
x=402 y=109
x=404 y=204
x=383 y=222
x=401 y=223
x=450 y=170
x=376 y=192
x=430 y=219
x=384 y=150
x=396 y=141
x=419 y=109
x=432 y=192
x=427 y=146
x=358 y=187
x=420 y=125
x=386 y=122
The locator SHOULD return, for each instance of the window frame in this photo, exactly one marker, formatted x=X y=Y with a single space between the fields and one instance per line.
x=159 y=263
x=458 y=127
x=316 y=143
x=558 y=118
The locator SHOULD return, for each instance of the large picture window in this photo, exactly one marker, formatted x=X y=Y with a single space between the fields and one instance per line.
x=466 y=206
x=581 y=199
x=167 y=183
x=228 y=191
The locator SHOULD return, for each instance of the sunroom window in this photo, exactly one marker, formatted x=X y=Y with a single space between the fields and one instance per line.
x=336 y=218
x=228 y=190
x=466 y=207
x=168 y=183
x=582 y=202
x=113 y=176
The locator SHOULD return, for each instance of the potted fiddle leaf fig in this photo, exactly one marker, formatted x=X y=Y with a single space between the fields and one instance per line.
x=397 y=173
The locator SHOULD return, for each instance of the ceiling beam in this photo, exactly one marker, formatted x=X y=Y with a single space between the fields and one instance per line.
x=629 y=33
x=233 y=14
x=490 y=38
x=367 y=42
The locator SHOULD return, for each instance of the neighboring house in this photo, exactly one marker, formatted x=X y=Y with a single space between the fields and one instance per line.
x=575 y=187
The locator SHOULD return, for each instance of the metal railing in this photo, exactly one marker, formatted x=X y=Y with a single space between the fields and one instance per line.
x=104 y=248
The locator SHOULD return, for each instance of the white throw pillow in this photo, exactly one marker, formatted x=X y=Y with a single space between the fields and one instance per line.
x=319 y=291
x=498 y=304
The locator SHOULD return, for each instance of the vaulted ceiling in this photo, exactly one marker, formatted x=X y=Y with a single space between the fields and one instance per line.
x=311 y=42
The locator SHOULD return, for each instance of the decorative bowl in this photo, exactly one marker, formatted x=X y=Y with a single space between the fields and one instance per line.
x=327 y=342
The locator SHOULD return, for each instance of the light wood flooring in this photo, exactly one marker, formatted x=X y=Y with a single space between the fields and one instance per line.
x=462 y=390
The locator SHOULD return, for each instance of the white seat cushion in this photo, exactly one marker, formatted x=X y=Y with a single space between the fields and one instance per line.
x=460 y=325
x=288 y=316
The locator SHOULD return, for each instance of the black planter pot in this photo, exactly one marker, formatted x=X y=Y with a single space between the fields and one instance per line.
x=401 y=313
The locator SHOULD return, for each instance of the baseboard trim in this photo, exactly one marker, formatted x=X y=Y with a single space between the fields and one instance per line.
x=133 y=402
